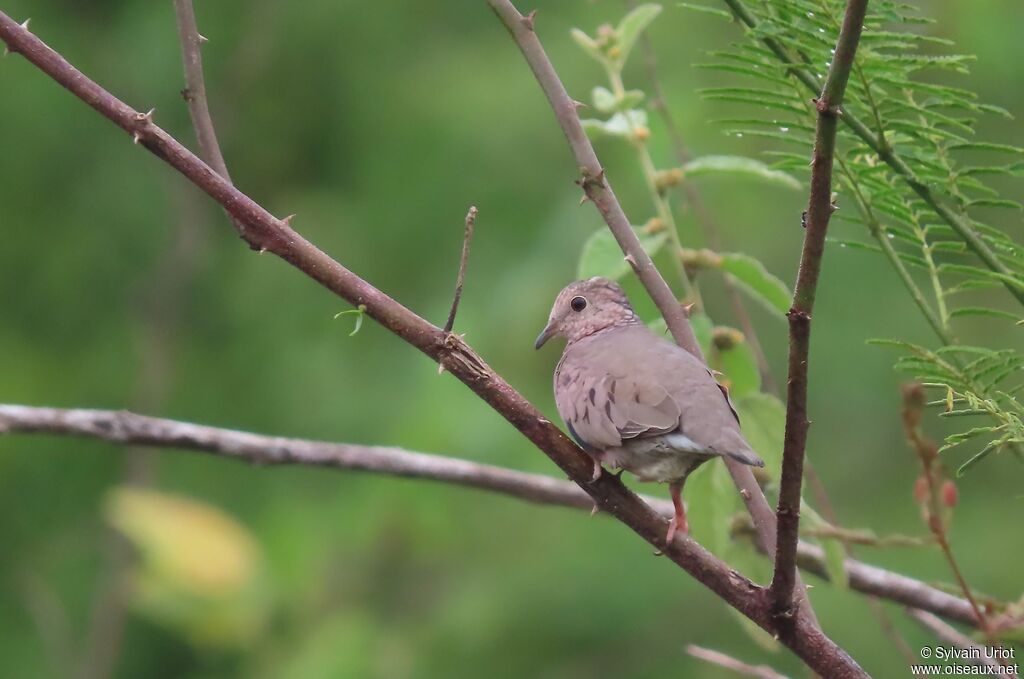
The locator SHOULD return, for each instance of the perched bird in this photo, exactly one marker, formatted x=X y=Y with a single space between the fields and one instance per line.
x=633 y=400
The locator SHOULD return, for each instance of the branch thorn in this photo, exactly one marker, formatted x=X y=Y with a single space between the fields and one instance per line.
x=287 y=221
x=202 y=38
x=528 y=19
x=24 y=24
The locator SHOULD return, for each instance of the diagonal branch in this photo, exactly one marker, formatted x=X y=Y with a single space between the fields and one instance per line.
x=265 y=232
x=819 y=211
x=598 y=189
x=195 y=87
x=125 y=428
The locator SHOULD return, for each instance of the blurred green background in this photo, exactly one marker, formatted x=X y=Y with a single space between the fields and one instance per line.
x=378 y=124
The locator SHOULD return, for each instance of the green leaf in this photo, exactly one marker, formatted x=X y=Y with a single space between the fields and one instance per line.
x=606 y=102
x=739 y=165
x=757 y=281
x=736 y=361
x=199 y=569
x=956 y=439
x=983 y=311
x=630 y=28
x=764 y=425
x=588 y=44
x=359 y=311
x=721 y=13
x=979 y=456
x=621 y=125
x=601 y=255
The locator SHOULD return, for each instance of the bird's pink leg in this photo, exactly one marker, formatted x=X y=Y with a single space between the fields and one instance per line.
x=678 y=521
x=597 y=470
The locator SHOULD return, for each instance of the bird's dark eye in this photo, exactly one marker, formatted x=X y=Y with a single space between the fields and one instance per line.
x=578 y=303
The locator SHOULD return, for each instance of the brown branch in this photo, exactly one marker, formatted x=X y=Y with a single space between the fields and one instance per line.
x=599 y=190
x=730 y=663
x=266 y=233
x=819 y=211
x=122 y=427
x=195 y=87
x=463 y=261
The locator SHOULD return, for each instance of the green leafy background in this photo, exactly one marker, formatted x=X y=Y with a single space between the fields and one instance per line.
x=378 y=125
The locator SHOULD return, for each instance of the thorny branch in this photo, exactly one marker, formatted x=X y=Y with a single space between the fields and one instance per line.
x=819 y=211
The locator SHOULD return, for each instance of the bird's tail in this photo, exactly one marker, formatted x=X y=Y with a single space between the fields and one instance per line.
x=747 y=456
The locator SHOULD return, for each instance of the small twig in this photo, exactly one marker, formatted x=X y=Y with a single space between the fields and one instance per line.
x=950 y=635
x=819 y=212
x=463 y=260
x=195 y=87
x=867 y=538
x=731 y=663
x=121 y=427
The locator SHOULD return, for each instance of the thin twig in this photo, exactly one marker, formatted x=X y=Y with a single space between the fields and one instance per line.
x=463 y=261
x=124 y=428
x=819 y=211
x=867 y=538
x=976 y=653
x=195 y=87
x=730 y=663
x=266 y=233
x=599 y=190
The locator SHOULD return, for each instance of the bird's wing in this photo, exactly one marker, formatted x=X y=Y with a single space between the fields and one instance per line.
x=603 y=403
x=707 y=416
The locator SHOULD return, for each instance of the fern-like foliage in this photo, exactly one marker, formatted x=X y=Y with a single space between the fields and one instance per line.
x=910 y=164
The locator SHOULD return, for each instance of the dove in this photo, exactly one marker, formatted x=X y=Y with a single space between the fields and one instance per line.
x=633 y=400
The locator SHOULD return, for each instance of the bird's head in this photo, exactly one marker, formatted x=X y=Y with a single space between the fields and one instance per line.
x=585 y=307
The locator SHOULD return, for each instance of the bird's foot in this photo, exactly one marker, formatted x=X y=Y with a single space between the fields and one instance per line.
x=677 y=524
x=597 y=471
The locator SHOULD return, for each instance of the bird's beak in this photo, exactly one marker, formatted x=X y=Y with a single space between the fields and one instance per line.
x=545 y=334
